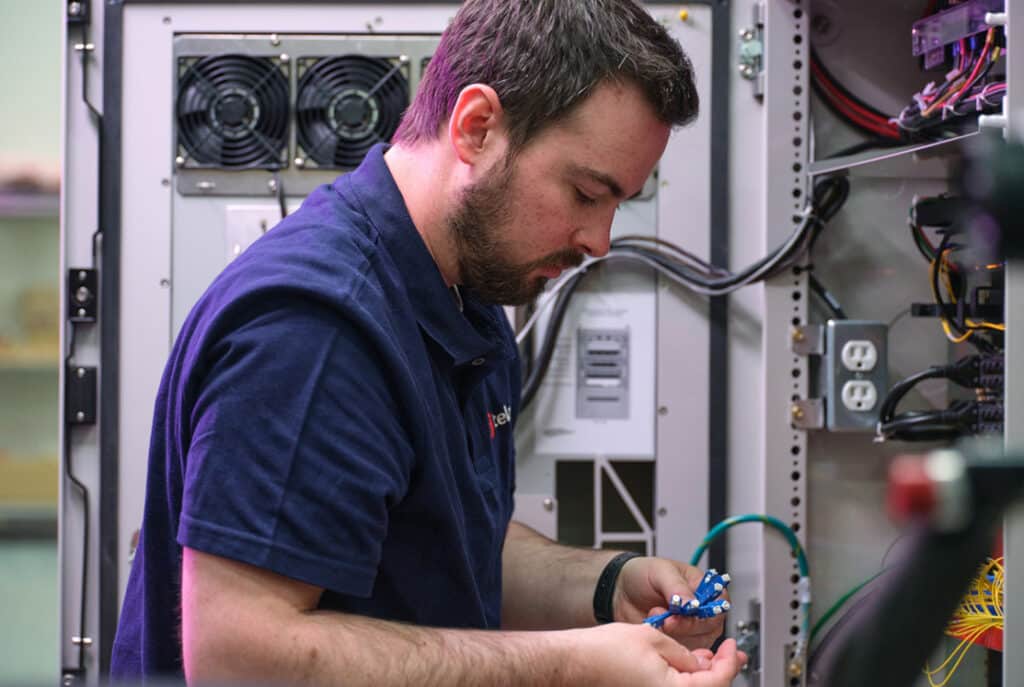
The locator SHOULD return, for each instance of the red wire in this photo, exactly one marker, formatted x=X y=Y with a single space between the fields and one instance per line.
x=864 y=117
x=852 y=110
x=977 y=68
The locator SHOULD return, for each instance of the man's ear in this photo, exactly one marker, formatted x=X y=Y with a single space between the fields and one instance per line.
x=476 y=127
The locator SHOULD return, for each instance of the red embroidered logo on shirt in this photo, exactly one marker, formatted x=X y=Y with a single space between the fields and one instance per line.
x=496 y=420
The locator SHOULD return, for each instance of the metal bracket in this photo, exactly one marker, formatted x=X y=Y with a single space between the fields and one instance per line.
x=809 y=340
x=748 y=639
x=80 y=395
x=751 y=51
x=808 y=413
x=81 y=295
x=77 y=12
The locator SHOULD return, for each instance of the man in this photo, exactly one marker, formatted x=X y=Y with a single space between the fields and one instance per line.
x=331 y=471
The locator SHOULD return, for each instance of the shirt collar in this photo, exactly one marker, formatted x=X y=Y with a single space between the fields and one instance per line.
x=473 y=337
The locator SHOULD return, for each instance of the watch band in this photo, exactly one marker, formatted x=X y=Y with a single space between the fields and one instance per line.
x=605 y=589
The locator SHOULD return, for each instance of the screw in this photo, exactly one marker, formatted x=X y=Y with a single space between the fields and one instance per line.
x=300 y=162
x=741 y=626
x=274 y=39
x=662 y=512
x=67 y=680
x=82 y=275
x=746 y=71
x=81 y=312
x=272 y=185
x=404 y=59
x=165 y=182
x=82 y=294
x=798 y=412
x=80 y=416
x=795 y=669
x=549 y=504
x=80 y=372
x=798 y=334
x=165 y=282
x=663 y=410
x=747 y=34
x=167 y=20
x=75 y=9
x=180 y=161
x=285 y=58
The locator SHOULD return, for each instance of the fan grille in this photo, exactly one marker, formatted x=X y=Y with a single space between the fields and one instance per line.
x=232 y=112
x=347 y=104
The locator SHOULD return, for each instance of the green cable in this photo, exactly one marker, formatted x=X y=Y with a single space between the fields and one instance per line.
x=794 y=544
x=842 y=602
x=728 y=523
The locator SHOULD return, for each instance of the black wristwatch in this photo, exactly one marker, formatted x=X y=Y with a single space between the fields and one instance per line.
x=605 y=590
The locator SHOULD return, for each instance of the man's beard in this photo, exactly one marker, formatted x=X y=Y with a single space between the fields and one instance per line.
x=480 y=228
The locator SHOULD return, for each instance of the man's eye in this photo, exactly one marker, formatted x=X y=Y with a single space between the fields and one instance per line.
x=584 y=199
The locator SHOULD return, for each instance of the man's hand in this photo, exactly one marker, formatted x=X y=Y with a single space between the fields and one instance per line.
x=644 y=587
x=619 y=654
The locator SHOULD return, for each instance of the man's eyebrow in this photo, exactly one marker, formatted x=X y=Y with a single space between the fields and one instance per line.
x=601 y=178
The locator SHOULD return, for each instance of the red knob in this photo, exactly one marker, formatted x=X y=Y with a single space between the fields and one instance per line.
x=911 y=490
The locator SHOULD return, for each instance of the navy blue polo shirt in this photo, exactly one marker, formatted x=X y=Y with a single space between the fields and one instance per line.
x=330 y=414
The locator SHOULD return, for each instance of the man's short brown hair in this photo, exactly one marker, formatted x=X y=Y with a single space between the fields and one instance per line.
x=544 y=58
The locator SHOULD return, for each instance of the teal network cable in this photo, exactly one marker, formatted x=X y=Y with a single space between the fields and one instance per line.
x=804 y=585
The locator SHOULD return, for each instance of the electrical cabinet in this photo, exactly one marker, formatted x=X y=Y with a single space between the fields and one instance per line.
x=663 y=410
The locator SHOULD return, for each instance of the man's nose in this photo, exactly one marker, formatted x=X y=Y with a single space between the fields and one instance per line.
x=595 y=240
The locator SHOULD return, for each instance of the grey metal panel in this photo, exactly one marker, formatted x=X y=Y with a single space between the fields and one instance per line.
x=748 y=154
x=79 y=209
x=684 y=217
x=783 y=455
x=1013 y=629
x=148 y=197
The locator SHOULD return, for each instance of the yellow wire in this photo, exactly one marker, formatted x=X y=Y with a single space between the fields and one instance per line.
x=942 y=316
x=980 y=610
x=971 y=324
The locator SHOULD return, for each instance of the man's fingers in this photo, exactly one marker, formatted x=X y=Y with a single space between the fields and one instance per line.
x=703 y=653
x=695 y=633
x=728 y=661
x=678 y=657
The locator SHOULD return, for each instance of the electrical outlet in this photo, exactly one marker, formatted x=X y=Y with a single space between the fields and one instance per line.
x=859 y=355
x=859 y=396
x=854 y=374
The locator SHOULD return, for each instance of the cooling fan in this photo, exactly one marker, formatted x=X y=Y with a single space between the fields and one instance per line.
x=347 y=104
x=232 y=112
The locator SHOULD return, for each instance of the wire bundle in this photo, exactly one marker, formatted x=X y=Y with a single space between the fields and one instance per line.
x=851 y=108
x=682 y=268
x=959 y=328
x=980 y=611
x=965 y=91
x=983 y=373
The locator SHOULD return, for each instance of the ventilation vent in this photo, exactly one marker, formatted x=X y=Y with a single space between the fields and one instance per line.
x=347 y=104
x=232 y=112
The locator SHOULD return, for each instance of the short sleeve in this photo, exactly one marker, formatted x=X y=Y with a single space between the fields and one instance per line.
x=297 y=450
